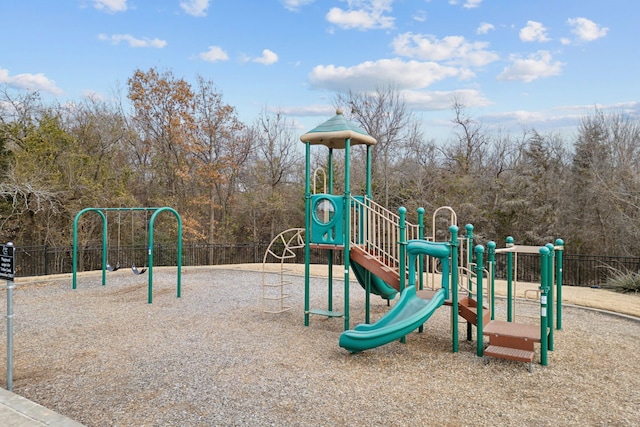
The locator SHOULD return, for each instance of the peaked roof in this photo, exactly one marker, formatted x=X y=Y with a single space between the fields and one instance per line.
x=334 y=132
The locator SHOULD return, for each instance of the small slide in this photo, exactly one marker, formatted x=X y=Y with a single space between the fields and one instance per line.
x=378 y=286
x=409 y=313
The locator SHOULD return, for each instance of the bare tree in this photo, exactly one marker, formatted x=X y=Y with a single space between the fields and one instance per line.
x=384 y=115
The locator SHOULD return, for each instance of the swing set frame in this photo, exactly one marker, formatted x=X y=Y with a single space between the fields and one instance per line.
x=102 y=213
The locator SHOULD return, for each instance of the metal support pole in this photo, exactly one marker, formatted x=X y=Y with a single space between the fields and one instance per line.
x=558 y=255
x=454 y=243
x=421 y=237
x=307 y=230
x=491 y=249
x=402 y=242
x=7 y=269
x=10 y=287
x=550 y=304
x=347 y=227
x=421 y=257
x=479 y=250
x=544 y=343
x=510 y=244
x=469 y=230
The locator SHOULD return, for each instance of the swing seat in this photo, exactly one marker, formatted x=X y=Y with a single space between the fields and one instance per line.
x=112 y=268
x=136 y=271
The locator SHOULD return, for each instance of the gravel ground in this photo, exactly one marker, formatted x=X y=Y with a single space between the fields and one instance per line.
x=104 y=357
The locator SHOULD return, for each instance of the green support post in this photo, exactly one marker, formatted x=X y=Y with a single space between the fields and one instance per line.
x=421 y=237
x=550 y=304
x=402 y=212
x=544 y=288
x=307 y=230
x=454 y=243
x=402 y=255
x=558 y=256
x=469 y=230
x=347 y=227
x=330 y=252
x=479 y=250
x=491 y=251
x=510 y=243
x=421 y=257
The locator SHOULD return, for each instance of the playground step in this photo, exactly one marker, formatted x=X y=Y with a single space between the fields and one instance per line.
x=500 y=328
x=509 y=353
x=511 y=341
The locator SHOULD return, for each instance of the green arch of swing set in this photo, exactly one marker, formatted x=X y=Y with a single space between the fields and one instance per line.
x=156 y=212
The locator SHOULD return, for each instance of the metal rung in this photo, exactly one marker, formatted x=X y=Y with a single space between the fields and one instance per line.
x=326 y=313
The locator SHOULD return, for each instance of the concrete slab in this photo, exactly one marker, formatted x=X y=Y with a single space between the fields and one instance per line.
x=17 y=411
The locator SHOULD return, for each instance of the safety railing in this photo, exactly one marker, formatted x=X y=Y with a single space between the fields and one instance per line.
x=377 y=230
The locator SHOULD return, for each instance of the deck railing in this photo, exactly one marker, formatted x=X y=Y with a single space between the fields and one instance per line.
x=377 y=229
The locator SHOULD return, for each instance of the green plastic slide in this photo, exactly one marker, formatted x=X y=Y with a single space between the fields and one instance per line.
x=378 y=286
x=409 y=313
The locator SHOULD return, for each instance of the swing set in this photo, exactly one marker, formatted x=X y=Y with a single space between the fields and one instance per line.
x=116 y=267
x=103 y=212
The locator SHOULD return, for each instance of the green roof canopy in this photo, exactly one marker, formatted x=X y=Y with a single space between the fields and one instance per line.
x=334 y=132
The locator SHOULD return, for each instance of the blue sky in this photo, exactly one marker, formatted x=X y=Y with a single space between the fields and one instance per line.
x=541 y=64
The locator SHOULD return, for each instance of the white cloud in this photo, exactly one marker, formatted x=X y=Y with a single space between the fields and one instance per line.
x=214 y=54
x=534 y=32
x=362 y=15
x=133 y=41
x=586 y=30
x=443 y=100
x=469 y=4
x=321 y=110
x=195 y=7
x=110 y=6
x=536 y=66
x=420 y=16
x=520 y=116
x=295 y=5
x=35 y=82
x=455 y=49
x=268 y=57
x=484 y=28
x=369 y=75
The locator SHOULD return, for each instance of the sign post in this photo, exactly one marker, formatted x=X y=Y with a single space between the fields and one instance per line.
x=7 y=272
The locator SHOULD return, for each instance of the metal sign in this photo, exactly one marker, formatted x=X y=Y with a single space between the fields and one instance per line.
x=7 y=262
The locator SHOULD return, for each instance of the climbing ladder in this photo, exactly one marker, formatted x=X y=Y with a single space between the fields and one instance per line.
x=282 y=248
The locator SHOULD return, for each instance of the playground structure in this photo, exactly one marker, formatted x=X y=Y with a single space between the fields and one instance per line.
x=378 y=244
x=102 y=212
